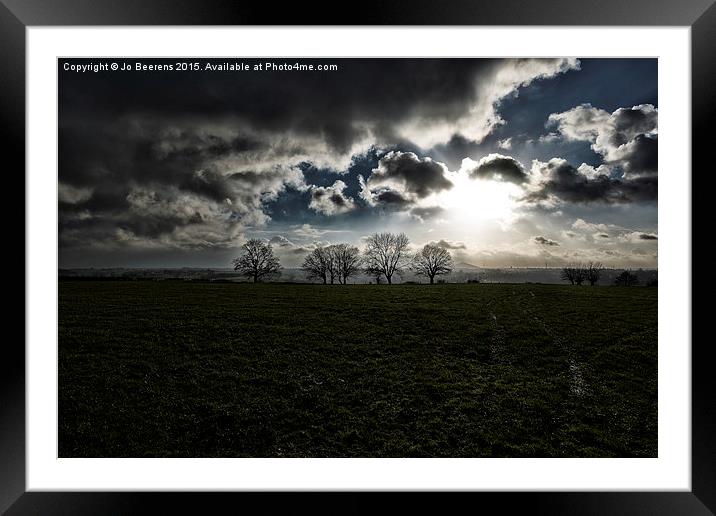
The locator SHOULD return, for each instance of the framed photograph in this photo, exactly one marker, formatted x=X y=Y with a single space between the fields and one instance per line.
x=431 y=250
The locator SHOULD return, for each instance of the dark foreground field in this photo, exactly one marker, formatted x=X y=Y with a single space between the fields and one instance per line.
x=229 y=370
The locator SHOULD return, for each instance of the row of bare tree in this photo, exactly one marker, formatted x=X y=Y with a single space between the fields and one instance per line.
x=333 y=262
x=592 y=272
x=581 y=272
x=385 y=255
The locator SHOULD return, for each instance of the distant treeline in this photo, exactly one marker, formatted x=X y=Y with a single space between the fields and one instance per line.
x=535 y=276
x=386 y=258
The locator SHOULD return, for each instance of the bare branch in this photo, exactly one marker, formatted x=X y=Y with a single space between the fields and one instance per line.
x=432 y=261
x=316 y=264
x=386 y=254
x=594 y=272
x=257 y=261
x=626 y=279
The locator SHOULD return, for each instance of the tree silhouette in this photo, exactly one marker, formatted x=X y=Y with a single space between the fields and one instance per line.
x=373 y=272
x=346 y=261
x=575 y=274
x=593 y=272
x=316 y=264
x=568 y=274
x=386 y=254
x=580 y=274
x=257 y=260
x=432 y=261
x=340 y=261
x=626 y=279
x=332 y=264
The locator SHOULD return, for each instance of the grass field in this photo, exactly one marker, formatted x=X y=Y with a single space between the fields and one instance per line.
x=237 y=370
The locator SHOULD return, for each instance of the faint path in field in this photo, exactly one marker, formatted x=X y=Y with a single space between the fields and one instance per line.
x=497 y=342
x=525 y=303
x=577 y=384
x=497 y=339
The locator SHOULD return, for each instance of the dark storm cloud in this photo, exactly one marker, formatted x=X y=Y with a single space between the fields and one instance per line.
x=640 y=189
x=641 y=156
x=171 y=161
x=631 y=122
x=208 y=183
x=391 y=199
x=189 y=118
x=497 y=166
x=626 y=139
x=545 y=241
x=420 y=177
x=560 y=181
x=402 y=178
x=234 y=139
x=322 y=103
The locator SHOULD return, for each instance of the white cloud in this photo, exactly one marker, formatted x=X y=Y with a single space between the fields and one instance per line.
x=505 y=144
x=626 y=138
x=589 y=227
x=331 y=200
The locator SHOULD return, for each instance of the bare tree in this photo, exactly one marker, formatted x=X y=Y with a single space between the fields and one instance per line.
x=580 y=274
x=575 y=274
x=626 y=279
x=316 y=264
x=594 y=272
x=387 y=253
x=432 y=261
x=332 y=264
x=257 y=260
x=373 y=272
x=346 y=260
x=568 y=274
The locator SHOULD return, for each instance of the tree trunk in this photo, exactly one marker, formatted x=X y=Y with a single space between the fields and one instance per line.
x=390 y=281
x=432 y=279
x=256 y=278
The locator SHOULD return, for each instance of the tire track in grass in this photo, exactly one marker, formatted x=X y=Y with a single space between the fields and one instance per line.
x=498 y=343
x=577 y=384
x=577 y=387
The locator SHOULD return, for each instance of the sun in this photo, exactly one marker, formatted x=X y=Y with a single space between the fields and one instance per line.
x=475 y=201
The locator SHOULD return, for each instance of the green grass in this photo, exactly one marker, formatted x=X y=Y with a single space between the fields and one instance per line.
x=158 y=369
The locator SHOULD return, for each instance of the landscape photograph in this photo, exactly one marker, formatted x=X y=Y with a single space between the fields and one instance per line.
x=357 y=257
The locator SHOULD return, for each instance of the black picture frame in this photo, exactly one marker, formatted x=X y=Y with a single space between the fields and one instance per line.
x=17 y=15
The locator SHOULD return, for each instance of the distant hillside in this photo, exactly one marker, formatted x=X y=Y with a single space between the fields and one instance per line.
x=465 y=265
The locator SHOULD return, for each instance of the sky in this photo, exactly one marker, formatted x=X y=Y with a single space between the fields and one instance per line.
x=505 y=162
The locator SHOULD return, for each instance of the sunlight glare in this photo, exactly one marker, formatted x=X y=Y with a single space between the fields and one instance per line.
x=474 y=201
